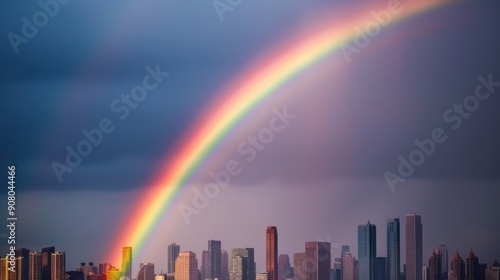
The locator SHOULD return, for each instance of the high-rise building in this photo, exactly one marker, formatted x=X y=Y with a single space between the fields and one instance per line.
x=457 y=269
x=443 y=255
x=58 y=266
x=393 y=249
x=146 y=271
x=284 y=267
x=214 y=259
x=173 y=252
x=272 y=252
x=318 y=260
x=242 y=264
x=46 y=262
x=299 y=266
x=127 y=262
x=380 y=270
x=435 y=266
x=474 y=269
x=204 y=265
x=349 y=267
x=186 y=266
x=413 y=247
x=225 y=265
x=23 y=270
x=35 y=266
x=367 y=251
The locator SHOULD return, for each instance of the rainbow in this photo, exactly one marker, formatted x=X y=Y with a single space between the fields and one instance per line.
x=247 y=90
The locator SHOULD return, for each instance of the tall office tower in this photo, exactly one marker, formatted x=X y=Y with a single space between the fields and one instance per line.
x=35 y=266
x=337 y=269
x=367 y=251
x=127 y=262
x=186 y=266
x=393 y=249
x=413 y=247
x=242 y=264
x=214 y=259
x=380 y=270
x=473 y=269
x=23 y=272
x=146 y=271
x=318 y=261
x=173 y=252
x=435 y=266
x=103 y=267
x=224 y=270
x=46 y=262
x=299 y=266
x=349 y=267
x=443 y=255
x=113 y=273
x=58 y=266
x=272 y=252
x=204 y=265
x=283 y=267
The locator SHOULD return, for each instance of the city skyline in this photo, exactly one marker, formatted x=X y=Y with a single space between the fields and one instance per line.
x=244 y=269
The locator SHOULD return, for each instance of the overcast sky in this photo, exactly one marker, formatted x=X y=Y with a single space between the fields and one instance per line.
x=316 y=180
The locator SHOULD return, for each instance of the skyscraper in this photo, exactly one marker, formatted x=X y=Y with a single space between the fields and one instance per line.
x=348 y=267
x=413 y=247
x=242 y=264
x=186 y=266
x=380 y=270
x=58 y=265
x=127 y=262
x=24 y=269
x=35 y=266
x=225 y=265
x=173 y=252
x=318 y=261
x=283 y=266
x=214 y=259
x=472 y=267
x=393 y=249
x=46 y=262
x=367 y=251
x=299 y=266
x=146 y=271
x=434 y=266
x=204 y=265
x=272 y=252
x=457 y=269
x=443 y=255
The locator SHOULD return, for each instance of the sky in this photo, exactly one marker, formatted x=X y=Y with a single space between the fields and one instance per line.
x=322 y=175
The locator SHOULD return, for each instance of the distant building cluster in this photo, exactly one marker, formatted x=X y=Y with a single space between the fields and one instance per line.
x=314 y=263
